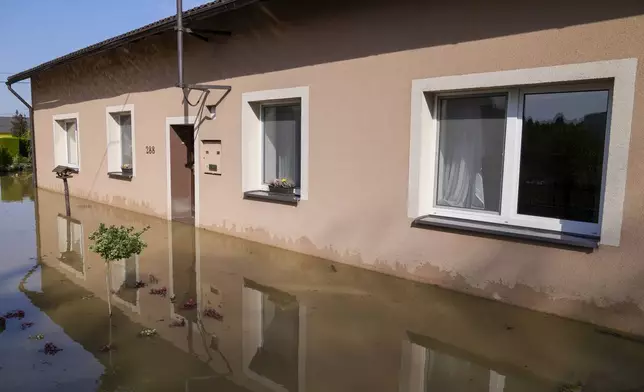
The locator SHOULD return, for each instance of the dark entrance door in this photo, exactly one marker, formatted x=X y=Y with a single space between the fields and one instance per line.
x=182 y=179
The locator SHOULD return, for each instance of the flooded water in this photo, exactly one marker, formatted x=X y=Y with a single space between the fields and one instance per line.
x=240 y=316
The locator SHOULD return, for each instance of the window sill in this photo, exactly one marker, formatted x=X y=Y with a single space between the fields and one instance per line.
x=280 y=198
x=120 y=176
x=515 y=232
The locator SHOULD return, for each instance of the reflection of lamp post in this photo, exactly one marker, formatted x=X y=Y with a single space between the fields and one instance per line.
x=64 y=172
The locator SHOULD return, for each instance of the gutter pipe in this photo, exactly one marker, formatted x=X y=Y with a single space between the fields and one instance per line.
x=31 y=131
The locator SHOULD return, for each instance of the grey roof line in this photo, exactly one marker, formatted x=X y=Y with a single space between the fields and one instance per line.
x=166 y=24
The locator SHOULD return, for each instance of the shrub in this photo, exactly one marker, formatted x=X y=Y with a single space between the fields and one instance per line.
x=12 y=144
x=117 y=243
x=24 y=147
x=5 y=158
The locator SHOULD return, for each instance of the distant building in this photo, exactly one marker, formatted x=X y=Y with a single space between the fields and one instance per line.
x=5 y=125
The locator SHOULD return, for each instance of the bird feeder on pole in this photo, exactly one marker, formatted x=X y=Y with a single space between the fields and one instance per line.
x=65 y=172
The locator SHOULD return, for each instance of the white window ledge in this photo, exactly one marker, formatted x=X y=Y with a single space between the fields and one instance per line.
x=515 y=232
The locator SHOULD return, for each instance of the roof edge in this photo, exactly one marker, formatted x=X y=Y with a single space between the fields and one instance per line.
x=162 y=25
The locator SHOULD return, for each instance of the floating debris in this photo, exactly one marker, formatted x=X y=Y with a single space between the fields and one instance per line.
x=162 y=291
x=212 y=313
x=24 y=326
x=37 y=337
x=139 y=284
x=107 y=348
x=178 y=323
x=19 y=314
x=90 y=296
x=190 y=304
x=148 y=332
x=51 y=349
x=173 y=298
x=333 y=268
x=152 y=279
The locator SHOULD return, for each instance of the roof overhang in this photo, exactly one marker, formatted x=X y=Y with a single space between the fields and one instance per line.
x=203 y=11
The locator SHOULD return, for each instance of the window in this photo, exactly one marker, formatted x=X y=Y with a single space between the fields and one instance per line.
x=66 y=144
x=281 y=149
x=275 y=135
x=543 y=153
x=120 y=137
x=274 y=338
x=124 y=281
x=70 y=245
x=557 y=157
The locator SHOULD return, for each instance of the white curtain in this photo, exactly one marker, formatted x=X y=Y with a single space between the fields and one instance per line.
x=72 y=142
x=282 y=143
x=126 y=139
x=461 y=158
x=470 y=161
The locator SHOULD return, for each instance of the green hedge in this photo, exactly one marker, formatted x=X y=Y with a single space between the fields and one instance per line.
x=12 y=144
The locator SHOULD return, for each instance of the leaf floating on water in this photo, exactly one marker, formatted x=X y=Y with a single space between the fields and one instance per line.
x=107 y=348
x=148 y=332
x=139 y=284
x=51 y=349
x=190 y=304
x=212 y=313
x=162 y=291
x=19 y=314
x=24 y=326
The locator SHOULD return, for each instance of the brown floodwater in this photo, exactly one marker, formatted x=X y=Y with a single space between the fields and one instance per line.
x=241 y=316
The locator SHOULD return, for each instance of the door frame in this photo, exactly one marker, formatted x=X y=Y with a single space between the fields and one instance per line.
x=169 y=122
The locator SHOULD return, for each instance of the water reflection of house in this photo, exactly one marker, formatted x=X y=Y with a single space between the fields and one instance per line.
x=288 y=322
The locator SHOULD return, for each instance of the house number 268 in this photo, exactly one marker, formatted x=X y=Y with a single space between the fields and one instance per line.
x=149 y=149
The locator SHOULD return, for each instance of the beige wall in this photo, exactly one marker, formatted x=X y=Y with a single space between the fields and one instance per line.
x=358 y=61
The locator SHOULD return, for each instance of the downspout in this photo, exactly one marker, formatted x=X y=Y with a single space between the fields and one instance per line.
x=31 y=131
x=180 y=42
x=34 y=170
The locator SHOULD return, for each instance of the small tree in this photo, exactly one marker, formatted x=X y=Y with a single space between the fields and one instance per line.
x=19 y=125
x=116 y=243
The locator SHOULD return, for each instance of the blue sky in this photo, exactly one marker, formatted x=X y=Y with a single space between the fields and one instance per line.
x=35 y=31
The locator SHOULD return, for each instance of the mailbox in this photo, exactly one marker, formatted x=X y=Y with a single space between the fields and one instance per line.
x=211 y=157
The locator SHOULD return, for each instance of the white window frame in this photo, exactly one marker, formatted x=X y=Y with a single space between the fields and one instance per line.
x=62 y=238
x=265 y=104
x=112 y=124
x=253 y=136
x=424 y=137
x=57 y=119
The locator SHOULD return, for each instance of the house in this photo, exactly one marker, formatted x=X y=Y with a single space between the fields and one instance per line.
x=488 y=149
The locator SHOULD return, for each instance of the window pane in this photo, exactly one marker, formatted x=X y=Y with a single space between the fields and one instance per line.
x=126 y=139
x=282 y=142
x=562 y=152
x=72 y=142
x=470 y=157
